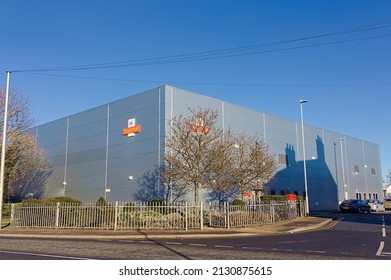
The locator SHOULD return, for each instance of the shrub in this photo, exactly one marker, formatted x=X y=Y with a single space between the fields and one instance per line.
x=238 y=202
x=51 y=201
x=156 y=206
x=101 y=202
x=129 y=207
x=61 y=199
x=7 y=209
x=268 y=198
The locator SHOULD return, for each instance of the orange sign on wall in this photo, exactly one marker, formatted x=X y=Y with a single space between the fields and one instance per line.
x=130 y=130
x=199 y=128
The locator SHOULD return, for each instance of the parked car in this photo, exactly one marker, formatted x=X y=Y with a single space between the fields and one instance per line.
x=387 y=203
x=355 y=205
x=376 y=205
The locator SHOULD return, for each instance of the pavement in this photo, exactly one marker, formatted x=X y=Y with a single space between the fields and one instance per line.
x=293 y=226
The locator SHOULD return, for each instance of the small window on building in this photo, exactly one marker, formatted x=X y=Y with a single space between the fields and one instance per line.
x=272 y=192
x=358 y=196
x=365 y=196
x=375 y=196
x=356 y=169
x=283 y=159
x=369 y=196
x=373 y=171
x=282 y=192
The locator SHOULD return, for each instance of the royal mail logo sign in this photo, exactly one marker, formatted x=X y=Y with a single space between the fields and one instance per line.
x=132 y=128
x=199 y=128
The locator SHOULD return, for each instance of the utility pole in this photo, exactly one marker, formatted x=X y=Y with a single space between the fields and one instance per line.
x=3 y=146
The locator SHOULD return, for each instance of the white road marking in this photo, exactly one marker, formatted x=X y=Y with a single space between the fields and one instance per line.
x=198 y=245
x=223 y=246
x=252 y=248
x=384 y=232
x=381 y=247
x=318 y=252
x=173 y=243
x=42 y=255
x=147 y=242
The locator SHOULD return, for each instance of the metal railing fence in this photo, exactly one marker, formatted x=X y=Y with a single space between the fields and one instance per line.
x=118 y=215
x=131 y=215
x=227 y=216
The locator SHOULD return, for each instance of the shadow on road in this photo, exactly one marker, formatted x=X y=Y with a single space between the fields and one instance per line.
x=164 y=246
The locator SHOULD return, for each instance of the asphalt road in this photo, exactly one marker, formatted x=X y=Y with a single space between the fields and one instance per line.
x=355 y=236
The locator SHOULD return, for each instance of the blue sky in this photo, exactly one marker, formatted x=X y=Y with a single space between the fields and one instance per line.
x=264 y=55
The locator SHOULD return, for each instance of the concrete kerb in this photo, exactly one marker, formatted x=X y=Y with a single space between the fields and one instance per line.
x=290 y=227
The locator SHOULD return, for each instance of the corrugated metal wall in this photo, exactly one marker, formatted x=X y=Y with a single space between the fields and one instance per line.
x=91 y=156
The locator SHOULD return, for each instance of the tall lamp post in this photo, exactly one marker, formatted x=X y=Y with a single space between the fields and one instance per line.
x=346 y=195
x=3 y=147
x=307 y=205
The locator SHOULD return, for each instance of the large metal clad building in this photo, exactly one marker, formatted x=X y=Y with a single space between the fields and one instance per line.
x=92 y=159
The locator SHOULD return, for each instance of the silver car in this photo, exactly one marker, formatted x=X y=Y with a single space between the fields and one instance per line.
x=376 y=205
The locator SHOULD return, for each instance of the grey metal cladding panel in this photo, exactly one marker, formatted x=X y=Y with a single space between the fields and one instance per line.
x=134 y=148
x=57 y=161
x=135 y=103
x=88 y=117
x=354 y=150
x=82 y=170
x=54 y=138
x=52 y=128
x=57 y=173
x=87 y=156
x=244 y=120
x=279 y=129
x=87 y=144
x=53 y=151
x=371 y=151
x=88 y=130
x=280 y=122
x=138 y=162
x=183 y=100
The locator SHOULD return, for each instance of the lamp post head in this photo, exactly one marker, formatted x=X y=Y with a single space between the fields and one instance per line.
x=303 y=101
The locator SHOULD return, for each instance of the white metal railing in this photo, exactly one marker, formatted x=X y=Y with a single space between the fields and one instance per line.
x=227 y=216
x=131 y=215
x=118 y=215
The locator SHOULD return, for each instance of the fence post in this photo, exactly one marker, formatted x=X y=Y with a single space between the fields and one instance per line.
x=57 y=214
x=116 y=216
x=228 y=219
x=185 y=215
x=210 y=214
x=12 y=214
x=271 y=212
x=201 y=217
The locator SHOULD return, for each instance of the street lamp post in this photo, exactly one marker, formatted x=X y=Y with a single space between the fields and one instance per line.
x=346 y=195
x=307 y=206
x=3 y=146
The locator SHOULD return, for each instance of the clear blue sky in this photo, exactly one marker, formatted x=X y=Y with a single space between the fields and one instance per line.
x=334 y=53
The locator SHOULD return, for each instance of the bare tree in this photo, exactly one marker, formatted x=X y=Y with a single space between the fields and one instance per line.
x=253 y=165
x=200 y=154
x=153 y=186
x=26 y=166
x=189 y=157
